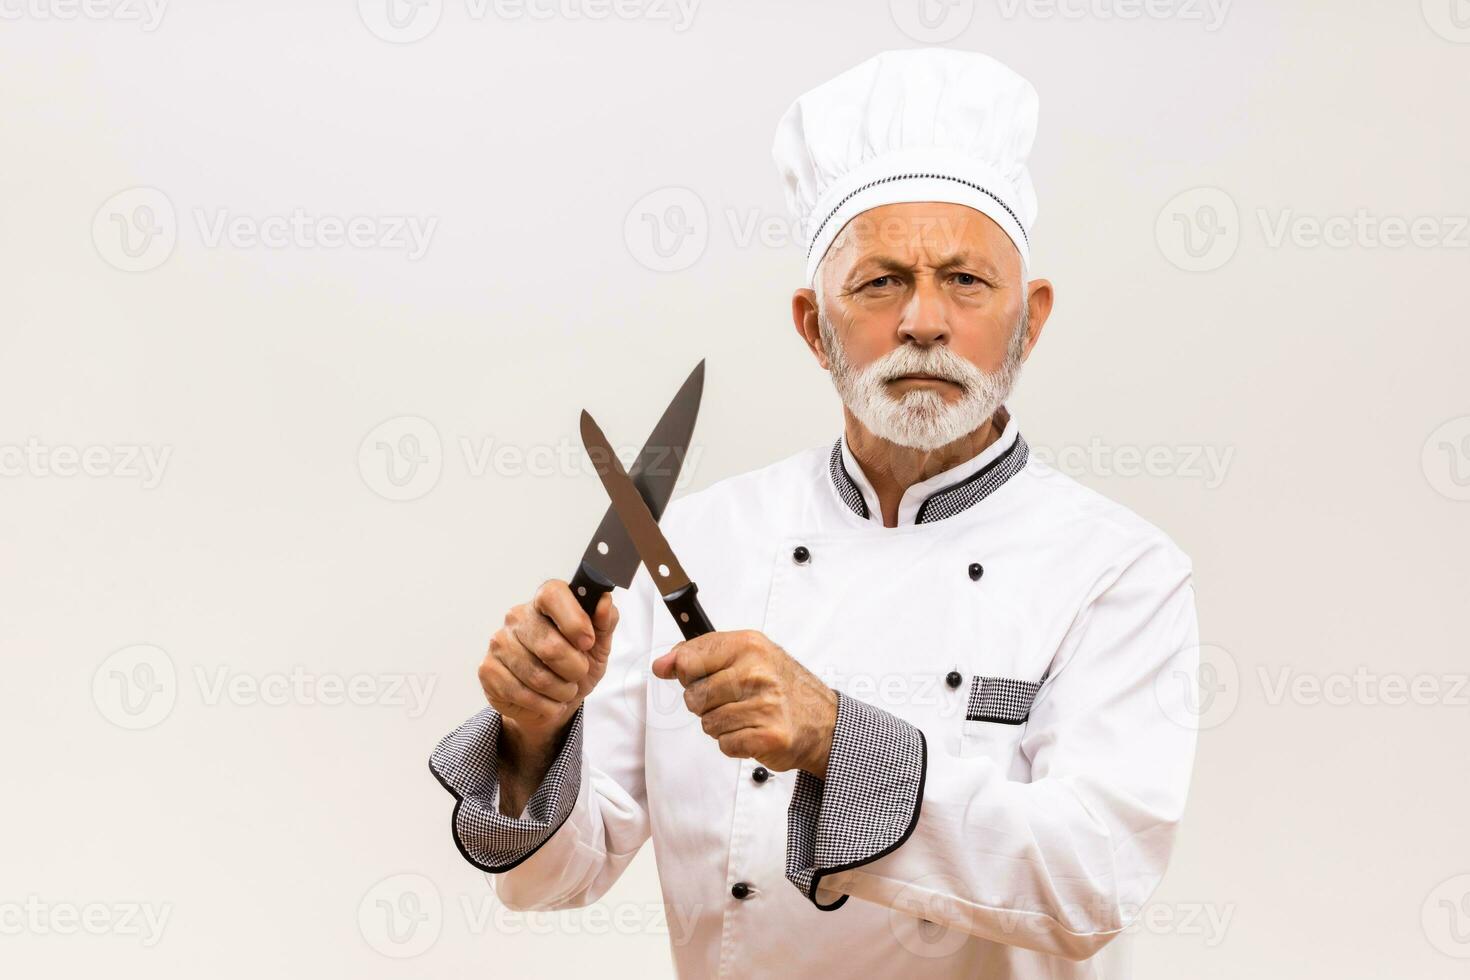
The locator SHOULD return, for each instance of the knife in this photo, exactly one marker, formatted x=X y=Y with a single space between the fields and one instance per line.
x=680 y=594
x=610 y=559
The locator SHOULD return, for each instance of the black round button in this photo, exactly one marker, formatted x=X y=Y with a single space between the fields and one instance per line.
x=976 y=570
x=801 y=556
x=740 y=890
x=760 y=774
x=953 y=678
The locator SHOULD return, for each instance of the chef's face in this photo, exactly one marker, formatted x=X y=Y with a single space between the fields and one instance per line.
x=923 y=318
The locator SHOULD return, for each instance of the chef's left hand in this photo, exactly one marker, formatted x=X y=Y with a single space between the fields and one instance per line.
x=756 y=700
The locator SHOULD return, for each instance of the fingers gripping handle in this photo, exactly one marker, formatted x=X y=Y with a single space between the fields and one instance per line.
x=688 y=613
x=589 y=586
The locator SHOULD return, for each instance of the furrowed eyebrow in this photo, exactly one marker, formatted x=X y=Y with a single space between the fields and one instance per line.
x=886 y=263
x=965 y=259
x=872 y=267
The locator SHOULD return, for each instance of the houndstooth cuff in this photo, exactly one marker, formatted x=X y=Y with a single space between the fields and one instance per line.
x=867 y=806
x=466 y=762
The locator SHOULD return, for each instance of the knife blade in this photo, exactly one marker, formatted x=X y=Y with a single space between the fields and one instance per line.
x=680 y=595
x=610 y=559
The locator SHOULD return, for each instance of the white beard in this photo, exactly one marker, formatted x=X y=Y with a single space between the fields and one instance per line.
x=922 y=419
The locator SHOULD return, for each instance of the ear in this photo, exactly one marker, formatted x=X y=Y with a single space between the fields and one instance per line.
x=1039 y=298
x=804 y=317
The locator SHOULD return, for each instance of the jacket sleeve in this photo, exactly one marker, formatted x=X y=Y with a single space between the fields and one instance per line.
x=1060 y=864
x=589 y=817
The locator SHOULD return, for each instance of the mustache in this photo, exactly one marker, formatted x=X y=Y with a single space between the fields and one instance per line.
x=938 y=362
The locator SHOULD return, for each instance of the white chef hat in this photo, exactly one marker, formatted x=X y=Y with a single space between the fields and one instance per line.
x=928 y=124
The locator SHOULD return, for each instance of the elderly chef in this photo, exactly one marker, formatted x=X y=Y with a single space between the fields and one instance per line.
x=948 y=731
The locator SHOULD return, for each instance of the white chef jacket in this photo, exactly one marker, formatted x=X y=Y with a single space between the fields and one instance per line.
x=1014 y=665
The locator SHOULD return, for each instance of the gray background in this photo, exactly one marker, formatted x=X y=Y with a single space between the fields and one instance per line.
x=1291 y=409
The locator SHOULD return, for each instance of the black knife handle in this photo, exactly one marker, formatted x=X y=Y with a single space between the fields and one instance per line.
x=688 y=613
x=588 y=585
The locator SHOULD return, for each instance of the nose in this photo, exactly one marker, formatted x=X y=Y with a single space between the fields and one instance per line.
x=925 y=318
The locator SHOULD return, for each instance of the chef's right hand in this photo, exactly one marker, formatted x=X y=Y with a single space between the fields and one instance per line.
x=546 y=658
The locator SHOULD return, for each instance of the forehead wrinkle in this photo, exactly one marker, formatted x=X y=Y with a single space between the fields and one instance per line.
x=881 y=261
x=966 y=257
x=954 y=260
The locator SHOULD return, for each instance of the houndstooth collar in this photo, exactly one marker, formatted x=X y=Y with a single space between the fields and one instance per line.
x=945 y=495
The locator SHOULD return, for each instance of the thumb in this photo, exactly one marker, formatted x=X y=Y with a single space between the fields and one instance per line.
x=604 y=621
x=663 y=667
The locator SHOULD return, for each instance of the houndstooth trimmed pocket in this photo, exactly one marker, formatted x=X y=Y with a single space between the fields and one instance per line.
x=1002 y=700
